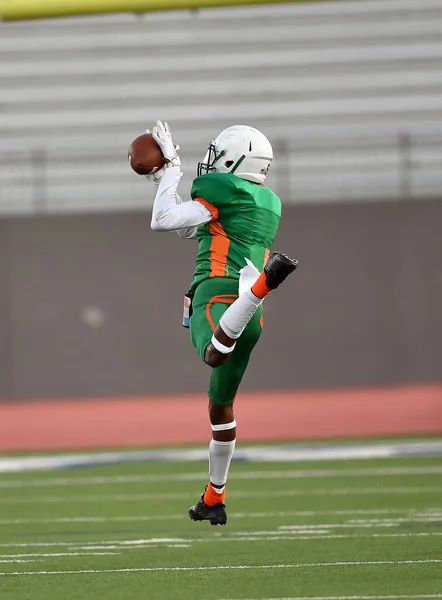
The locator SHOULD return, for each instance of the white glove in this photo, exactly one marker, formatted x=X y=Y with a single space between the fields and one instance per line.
x=163 y=137
x=157 y=176
x=247 y=276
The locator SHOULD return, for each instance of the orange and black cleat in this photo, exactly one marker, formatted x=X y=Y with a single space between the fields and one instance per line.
x=216 y=514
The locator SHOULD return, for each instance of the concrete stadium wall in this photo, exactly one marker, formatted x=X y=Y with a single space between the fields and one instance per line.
x=91 y=305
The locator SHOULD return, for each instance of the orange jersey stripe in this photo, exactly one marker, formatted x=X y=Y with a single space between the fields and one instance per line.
x=219 y=248
x=225 y=299
x=210 y=207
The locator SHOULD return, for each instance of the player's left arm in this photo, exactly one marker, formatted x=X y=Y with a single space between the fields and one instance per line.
x=169 y=212
x=190 y=233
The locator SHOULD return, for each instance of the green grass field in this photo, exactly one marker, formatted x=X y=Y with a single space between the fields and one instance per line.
x=354 y=528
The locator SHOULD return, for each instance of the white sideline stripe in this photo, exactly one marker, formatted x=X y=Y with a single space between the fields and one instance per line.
x=381 y=511
x=151 y=546
x=15 y=561
x=359 y=524
x=394 y=597
x=241 y=536
x=285 y=453
x=417 y=512
x=231 y=567
x=397 y=520
x=59 y=554
x=257 y=515
x=294 y=536
x=18 y=560
x=253 y=537
x=73 y=544
x=232 y=494
x=202 y=476
x=147 y=545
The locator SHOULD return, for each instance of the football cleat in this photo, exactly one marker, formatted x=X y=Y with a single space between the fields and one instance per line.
x=203 y=512
x=278 y=268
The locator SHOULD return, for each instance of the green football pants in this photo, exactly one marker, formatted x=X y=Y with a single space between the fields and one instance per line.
x=212 y=298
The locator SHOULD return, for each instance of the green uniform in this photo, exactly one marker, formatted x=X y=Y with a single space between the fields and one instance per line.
x=245 y=220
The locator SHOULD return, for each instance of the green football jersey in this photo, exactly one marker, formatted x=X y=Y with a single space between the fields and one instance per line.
x=244 y=225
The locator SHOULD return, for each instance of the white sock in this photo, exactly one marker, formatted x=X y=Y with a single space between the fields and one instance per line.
x=220 y=456
x=236 y=317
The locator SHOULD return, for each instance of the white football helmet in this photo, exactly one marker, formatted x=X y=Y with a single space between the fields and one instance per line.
x=241 y=150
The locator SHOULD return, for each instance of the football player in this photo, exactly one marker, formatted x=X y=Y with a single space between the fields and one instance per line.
x=235 y=218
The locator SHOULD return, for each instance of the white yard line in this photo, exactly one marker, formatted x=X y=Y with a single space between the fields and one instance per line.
x=232 y=494
x=75 y=544
x=253 y=515
x=381 y=511
x=282 y=536
x=178 y=542
x=265 y=537
x=17 y=560
x=436 y=516
x=202 y=476
x=230 y=567
x=57 y=554
x=389 y=597
x=359 y=524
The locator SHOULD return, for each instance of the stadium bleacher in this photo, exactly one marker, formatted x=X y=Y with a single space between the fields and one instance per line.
x=350 y=94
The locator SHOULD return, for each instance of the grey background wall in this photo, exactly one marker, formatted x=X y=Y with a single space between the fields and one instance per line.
x=91 y=304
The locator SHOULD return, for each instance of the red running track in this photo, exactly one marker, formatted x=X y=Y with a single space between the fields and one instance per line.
x=264 y=416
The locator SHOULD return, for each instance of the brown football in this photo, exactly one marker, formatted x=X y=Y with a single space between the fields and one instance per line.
x=145 y=155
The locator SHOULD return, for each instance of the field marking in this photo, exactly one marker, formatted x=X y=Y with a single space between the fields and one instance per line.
x=202 y=476
x=230 y=567
x=178 y=542
x=268 y=537
x=394 y=597
x=354 y=523
x=420 y=517
x=435 y=512
x=297 y=537
x=57 y=554
x=17 y=560
x=273 y=453
x=232 y=494
x=75 y=544
x=389 y=597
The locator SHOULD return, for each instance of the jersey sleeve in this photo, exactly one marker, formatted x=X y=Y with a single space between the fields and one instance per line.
x=169 y=213
x=215 y=191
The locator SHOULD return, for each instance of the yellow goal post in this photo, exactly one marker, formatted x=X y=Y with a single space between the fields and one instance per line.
x=21 y=10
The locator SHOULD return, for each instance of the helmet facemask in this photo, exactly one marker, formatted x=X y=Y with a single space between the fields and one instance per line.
x=212 y=156
x=238 y=146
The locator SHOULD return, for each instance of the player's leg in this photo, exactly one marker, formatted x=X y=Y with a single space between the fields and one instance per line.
x=236 y=317
x=211 y=300
x=224 y=383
